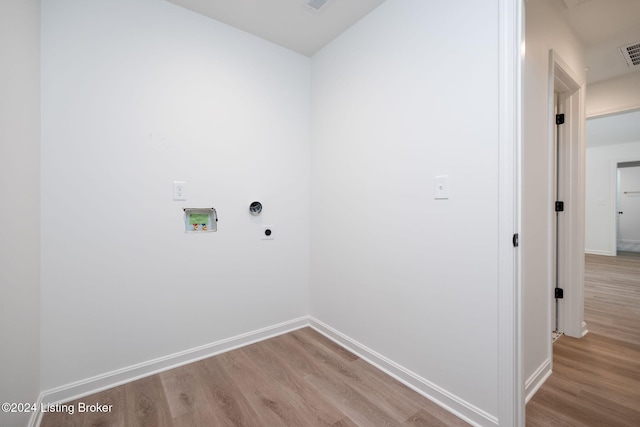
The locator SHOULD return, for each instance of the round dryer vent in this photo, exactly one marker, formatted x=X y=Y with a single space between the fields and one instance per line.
x=255 y=208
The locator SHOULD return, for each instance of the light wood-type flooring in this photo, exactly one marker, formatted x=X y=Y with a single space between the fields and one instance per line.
x=612 y=296
x=297 y=379
x=304 y=379
x=596 y=379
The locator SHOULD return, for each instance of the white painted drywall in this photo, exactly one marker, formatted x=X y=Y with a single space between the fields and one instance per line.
x=600 y=234
x=402 y=97
x=544 y=31
x=135 y=95
x=614 y=95
x=20 y=206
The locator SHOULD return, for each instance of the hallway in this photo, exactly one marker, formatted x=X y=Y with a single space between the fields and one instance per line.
x=596 y=379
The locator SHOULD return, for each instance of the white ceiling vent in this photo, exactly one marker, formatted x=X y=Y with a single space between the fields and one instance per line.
x=316 y=4
x=631 y=55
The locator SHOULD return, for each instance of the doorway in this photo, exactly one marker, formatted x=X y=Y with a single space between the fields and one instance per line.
x=611 y=140
x=628 y=207
x=566 y=204
x=558 y=183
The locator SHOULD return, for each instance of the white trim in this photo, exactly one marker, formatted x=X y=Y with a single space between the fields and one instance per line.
x=572 y=103
x=426 y=388
x=536 y=380
x=118 y=377
x=551 y=167
x=576 y=233
x=584 y=330
x=511 y=405
x=36 y=416
x=431 y=391
x=613 y=212
x=613 y=111
x=628 y=245
x=598 y=252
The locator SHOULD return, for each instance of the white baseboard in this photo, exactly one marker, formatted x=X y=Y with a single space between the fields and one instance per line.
x=454 y=404
x=86 y=387
x=598 y=252
x=36 y=416
x=535 y=381
x=585 y=331
x=628 y=245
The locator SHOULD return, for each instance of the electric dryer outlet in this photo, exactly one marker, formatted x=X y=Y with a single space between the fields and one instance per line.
x=267 y=232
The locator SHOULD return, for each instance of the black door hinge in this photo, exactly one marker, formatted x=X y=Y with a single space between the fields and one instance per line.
x=515 y=240
x=559 y=294
x=559 y=119
x=559 y=206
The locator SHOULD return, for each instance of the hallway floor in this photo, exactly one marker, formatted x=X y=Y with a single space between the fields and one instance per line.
x=596 y=379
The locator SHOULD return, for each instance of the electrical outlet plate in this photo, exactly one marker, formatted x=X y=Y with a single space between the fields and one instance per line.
x=442 y=187
x=179 y=190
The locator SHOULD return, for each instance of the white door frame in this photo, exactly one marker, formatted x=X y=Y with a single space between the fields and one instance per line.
x=571 y=91
x=614 y=194
x=511 y=405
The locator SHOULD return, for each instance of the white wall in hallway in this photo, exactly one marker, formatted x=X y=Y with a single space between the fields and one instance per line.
x=395 y=102
x=137 y=95
x=20 y=206
x=614 y=95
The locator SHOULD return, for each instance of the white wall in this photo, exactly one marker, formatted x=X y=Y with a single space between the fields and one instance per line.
x=401 y=97
x=138 y=94
x=614 y=95
x=601 y=197
x=544 y=31
x=20 y=207
x=135 y=95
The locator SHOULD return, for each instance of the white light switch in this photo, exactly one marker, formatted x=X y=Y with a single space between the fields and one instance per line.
x=179 y=190
x=441 y=190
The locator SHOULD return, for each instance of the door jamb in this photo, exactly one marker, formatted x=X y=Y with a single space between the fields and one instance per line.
x=511 y=404
x=572 y=100
x=614 y=195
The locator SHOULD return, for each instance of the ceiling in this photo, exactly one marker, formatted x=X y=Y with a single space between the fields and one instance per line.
x=289 y=23
x=603 y=26
x=620 y=128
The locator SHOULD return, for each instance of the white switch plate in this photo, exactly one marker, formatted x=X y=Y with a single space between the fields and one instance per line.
x=441 y=190
x=179 y=190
